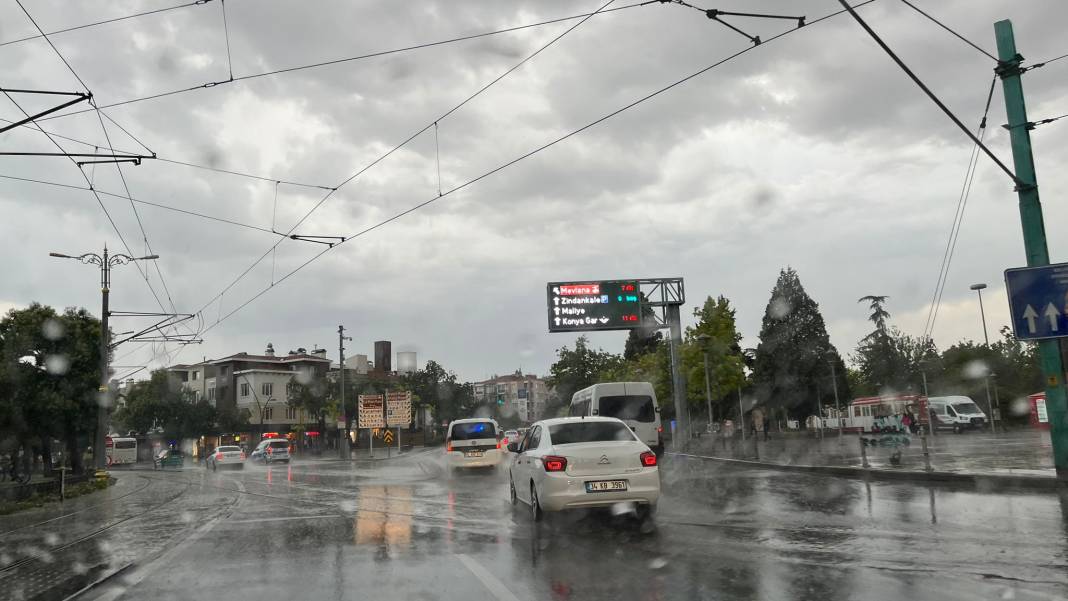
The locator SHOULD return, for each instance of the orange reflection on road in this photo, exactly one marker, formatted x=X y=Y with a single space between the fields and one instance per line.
x=384 y=516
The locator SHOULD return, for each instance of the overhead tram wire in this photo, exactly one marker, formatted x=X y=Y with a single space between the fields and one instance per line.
x=528 y=154
x=958 y=219
x=105 y=22
x=938 y=102
x=174 y=161
x=950 y=30
x=133 y=206
x=401 y=145
x=143 y=202
x=212 y=84
x=226 y=31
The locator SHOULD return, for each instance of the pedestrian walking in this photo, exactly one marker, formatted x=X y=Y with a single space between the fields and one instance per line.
x=767 y=428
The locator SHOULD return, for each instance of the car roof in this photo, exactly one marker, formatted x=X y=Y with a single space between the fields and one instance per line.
x=567 y=420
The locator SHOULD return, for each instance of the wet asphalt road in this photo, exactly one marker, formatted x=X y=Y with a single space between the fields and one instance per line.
x=403 y=529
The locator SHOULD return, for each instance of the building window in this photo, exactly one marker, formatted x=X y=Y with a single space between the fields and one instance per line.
x=244 y=389
x=268 y=413
x=267 y=389
x=195 y=376
x=211 y=394
x=291 y=413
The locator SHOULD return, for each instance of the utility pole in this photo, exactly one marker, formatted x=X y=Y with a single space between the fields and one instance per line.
x=343 y=445
x=106 y=262
x=1034 y=231
x=708 y=383
x=837 y=403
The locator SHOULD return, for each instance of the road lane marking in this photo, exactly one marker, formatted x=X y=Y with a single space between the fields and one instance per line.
x=286 y=519
x=488 y=580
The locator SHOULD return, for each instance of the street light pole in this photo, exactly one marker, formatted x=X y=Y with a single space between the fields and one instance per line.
x=106 y=262
x=704 y=338
x=343 y=446
x=982 y=314
x=837 y=404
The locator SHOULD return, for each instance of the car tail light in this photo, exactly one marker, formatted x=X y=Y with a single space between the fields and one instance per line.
x=660 y=429
x=218 y=456
x=242 y=455
x=504 y=441
x=554 y=463
x=648 y=459
x=270 y=450
x=498 y=445
x=448 y=445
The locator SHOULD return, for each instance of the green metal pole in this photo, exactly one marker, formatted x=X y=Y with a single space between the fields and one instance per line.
x=1034 y=231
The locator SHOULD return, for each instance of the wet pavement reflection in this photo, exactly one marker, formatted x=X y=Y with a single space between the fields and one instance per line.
x=406 y=529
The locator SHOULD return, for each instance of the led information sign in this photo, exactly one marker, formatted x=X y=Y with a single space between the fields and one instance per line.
x=583 y=306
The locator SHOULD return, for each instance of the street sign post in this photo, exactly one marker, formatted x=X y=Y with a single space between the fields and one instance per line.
x=398 y=413
x=1038 y=300
x=371 y=414
x=598 y=305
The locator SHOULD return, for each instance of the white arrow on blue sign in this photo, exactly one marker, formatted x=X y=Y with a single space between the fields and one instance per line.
x=1038 y=301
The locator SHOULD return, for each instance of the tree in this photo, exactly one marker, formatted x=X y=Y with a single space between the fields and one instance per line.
x=49 y=375
x=790 y=368
x=310 y=396
x=576 y=369
x=653 y=366
x=1013 y=367
x=715 y=333
x=161 y=402
x=887 y=359
x=645 y=339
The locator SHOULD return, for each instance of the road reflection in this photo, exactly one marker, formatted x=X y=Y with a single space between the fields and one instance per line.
x=384 y=518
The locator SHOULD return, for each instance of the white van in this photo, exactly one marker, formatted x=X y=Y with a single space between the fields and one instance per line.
x=956 y=413
x=473 y=443
x=632 y=402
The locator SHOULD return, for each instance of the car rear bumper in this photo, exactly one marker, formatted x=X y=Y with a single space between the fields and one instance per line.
x=562 y=491
x=489 y=458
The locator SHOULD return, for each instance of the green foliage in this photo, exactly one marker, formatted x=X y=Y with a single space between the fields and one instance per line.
x=162 y=403
x=439 y=390
x=311 y=395
x=49 y=376
x=716 y=334
x=578 y=368
x=791 y=368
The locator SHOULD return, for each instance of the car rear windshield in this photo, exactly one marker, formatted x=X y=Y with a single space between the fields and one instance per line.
x=590 y=431
x=228 y=449
x=472 y=430
x=631 y=406
x=279 y=444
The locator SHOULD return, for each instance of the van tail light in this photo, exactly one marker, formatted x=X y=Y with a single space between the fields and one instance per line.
x=448 y=445
x=660 y=429
x=554 y=463
x=648 y=459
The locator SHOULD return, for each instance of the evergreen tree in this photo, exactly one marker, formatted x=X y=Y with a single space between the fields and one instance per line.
x=715 y=333
x=791 y=368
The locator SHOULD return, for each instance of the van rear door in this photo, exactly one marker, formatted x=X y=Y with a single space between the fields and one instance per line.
x=473 y=437
x=637 y=410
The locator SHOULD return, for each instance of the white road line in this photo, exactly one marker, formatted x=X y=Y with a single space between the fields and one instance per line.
x=286 y=519
x=488 y=580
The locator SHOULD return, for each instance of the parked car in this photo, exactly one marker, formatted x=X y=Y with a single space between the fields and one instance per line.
x=226 y=456
x=583 y=462
x=271 y=450
x=168 y=458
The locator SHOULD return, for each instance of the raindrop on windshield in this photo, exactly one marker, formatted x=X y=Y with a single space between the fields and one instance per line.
x=57 y=365
x=976 y=369
x=52 y=329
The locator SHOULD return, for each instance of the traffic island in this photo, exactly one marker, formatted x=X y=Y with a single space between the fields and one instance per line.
x=47 y=491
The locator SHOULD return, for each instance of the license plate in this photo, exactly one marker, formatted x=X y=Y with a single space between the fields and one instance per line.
x=606 y=486
x=472 y=453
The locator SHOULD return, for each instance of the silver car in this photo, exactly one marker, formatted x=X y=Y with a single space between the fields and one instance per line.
x=271 y=450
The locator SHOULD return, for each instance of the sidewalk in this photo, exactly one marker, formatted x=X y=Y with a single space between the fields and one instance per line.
x=1020 y=456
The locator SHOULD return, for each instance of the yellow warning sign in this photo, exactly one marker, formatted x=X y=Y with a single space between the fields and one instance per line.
x=387 y=436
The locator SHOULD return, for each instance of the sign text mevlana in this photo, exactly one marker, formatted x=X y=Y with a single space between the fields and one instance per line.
x=602 y=305
x=370 y=411
x=398 y=409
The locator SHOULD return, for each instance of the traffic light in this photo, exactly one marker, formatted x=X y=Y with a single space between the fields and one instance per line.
x=500 y=401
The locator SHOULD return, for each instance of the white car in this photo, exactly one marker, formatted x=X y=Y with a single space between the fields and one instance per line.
x=581 y=462
x=473 y=443
x=510 y=436
x=226 y=456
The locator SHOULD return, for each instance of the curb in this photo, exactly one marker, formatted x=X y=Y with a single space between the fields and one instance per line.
x=860 y=473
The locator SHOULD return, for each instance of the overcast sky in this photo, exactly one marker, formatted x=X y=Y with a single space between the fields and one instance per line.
x=812 y=151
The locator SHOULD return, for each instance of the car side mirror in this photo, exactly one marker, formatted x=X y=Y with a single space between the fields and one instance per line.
x=513 y=447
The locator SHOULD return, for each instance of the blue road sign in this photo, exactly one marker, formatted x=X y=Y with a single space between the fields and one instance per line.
x=1038 y=301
